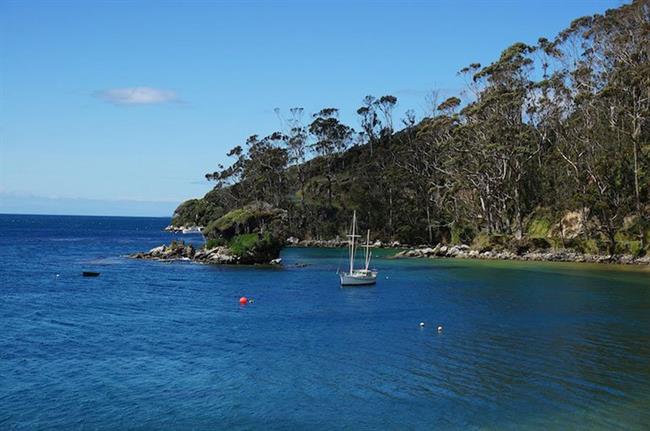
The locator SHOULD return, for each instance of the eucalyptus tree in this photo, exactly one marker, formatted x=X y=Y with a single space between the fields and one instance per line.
x=426 y=159
x=264 y=172
x=603 y=137
x=386 y=104
x=297 y=145
x=370 y=123
x=331 y=137
x=227 y=190
x=498 y=141
x=620 y=41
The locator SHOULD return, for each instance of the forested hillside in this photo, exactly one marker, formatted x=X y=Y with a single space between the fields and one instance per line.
x=551 y=141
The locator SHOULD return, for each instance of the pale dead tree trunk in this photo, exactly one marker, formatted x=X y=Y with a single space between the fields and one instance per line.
x=429 y=223
x=390 y=210
x=636 y=133
x=518 y=217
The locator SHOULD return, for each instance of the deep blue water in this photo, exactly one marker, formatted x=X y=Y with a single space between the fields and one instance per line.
x=150 y=345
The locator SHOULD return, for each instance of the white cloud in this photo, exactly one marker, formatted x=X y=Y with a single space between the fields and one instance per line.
x=137 y=96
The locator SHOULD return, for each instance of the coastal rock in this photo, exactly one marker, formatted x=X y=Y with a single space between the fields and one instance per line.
x=292 y=240
x=644 y=260
x=221 y=255
x=277 y=261
x=573 y=224
x=184 y=229
x=157 y=251
x=463 y=251
x=326 y=243
x=181 y=251
x=453 y=251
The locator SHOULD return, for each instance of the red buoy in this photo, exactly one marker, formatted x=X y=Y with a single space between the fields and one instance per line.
x=243 y=300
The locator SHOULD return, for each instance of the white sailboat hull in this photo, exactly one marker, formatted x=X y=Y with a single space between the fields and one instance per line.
x=358 y=279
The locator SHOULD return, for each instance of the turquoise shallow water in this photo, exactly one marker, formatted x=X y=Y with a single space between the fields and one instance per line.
x=150 y=345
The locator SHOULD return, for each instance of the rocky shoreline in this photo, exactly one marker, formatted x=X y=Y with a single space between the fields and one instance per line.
x=465 y=252
x=334 y=243
x=179 y=251
x=184 y=229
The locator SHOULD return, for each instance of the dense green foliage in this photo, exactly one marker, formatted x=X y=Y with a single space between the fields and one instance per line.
x=196 y=212
x=255 y=217
x=560 y=127
x=255 y=232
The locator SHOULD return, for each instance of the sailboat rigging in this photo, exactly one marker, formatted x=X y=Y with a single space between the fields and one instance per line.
x=358 y=277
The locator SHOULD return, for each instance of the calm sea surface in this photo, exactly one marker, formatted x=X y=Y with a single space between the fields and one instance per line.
x=150 y=345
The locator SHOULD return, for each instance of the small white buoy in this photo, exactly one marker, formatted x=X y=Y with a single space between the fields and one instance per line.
x=439 y=328
x=421 y=324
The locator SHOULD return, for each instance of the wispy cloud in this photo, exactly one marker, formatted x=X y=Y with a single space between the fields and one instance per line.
x=137 y=96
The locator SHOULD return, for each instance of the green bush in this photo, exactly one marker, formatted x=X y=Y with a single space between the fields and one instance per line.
x=255 y=217
x=486 y=242
x=196 y=212
x=242 y=244
x=255 y=248
x=539 y=227
x=230 y=224
x=462 y=234
x=214 y=242
x=630 y=247
x=588 y=246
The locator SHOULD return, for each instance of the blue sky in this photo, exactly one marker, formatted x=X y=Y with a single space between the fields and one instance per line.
x=121 y=107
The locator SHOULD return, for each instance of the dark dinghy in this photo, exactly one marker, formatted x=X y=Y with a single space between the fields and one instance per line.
x=90 y=274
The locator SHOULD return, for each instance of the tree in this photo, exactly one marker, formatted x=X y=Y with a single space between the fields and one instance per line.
x=331 y=138
x=370 y=123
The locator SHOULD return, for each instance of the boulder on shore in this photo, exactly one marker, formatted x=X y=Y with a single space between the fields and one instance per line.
x=463 y=251
x=178 y=250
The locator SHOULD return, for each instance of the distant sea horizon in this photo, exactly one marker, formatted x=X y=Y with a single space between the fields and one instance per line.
x=18 y=203
x=80 y=215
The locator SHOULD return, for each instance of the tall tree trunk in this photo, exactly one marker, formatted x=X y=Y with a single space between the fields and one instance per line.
x=518 y=217
x=636 y=190
x=390 y=211
x=329 y=190
x=429 y=223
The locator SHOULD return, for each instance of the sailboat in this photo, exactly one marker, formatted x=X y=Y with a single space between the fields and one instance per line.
x=358 y=277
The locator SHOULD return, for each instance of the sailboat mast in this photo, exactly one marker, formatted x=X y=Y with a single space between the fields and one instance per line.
x=354 y=223
x=368 y=249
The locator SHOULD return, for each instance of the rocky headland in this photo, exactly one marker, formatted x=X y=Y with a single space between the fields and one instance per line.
x=253 y=234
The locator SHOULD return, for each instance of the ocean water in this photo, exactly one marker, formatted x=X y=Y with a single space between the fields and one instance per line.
x=150 y=345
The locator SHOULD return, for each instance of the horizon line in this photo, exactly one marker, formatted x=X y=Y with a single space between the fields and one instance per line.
x=80 y=215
